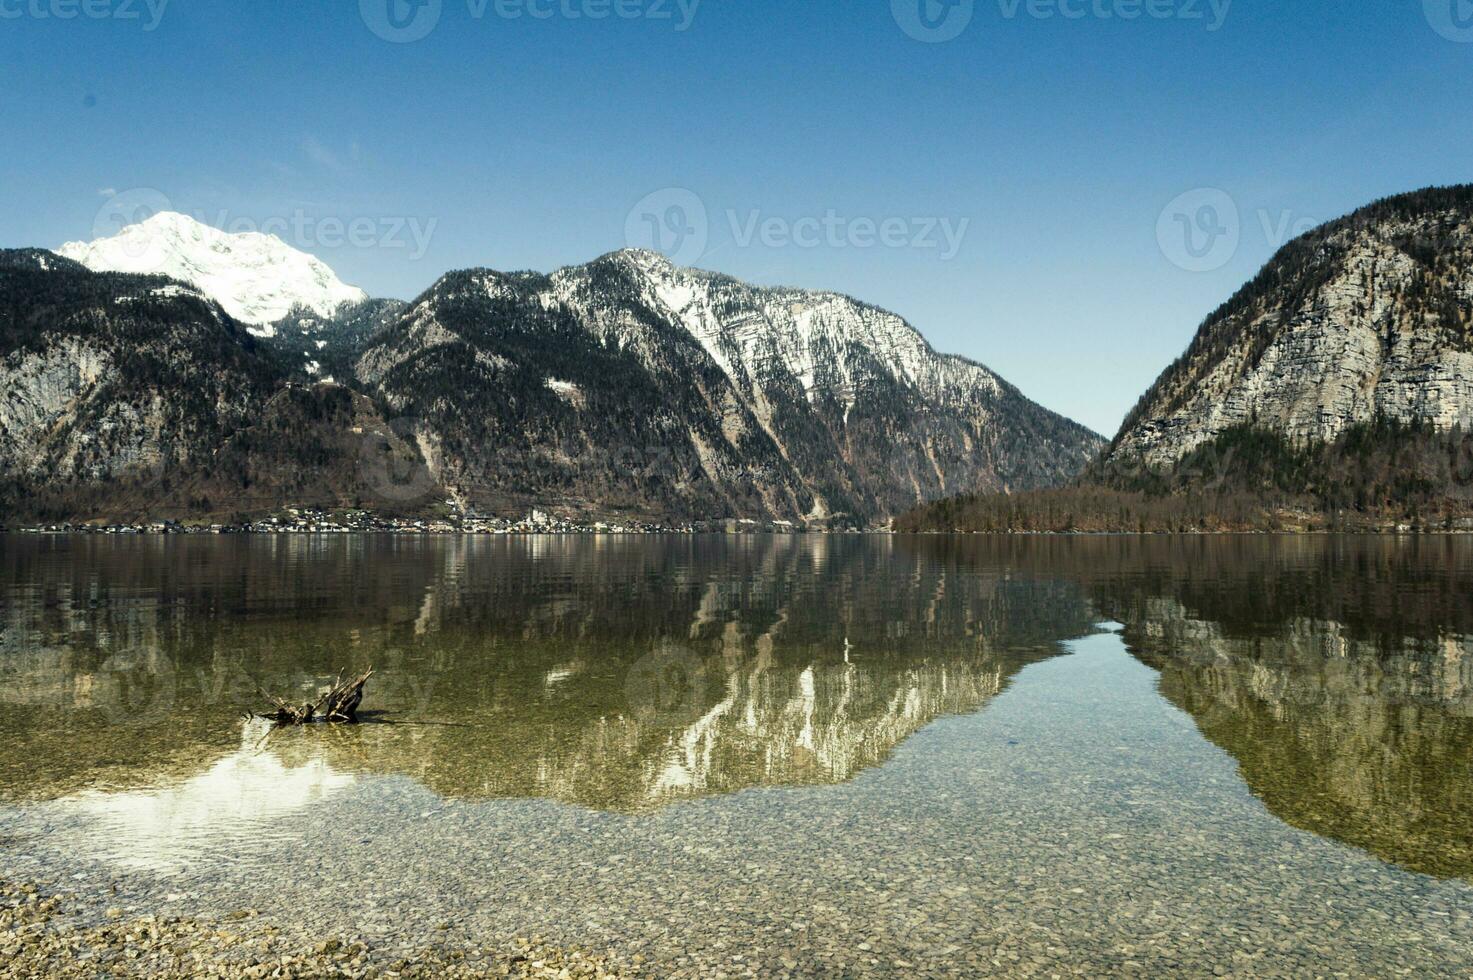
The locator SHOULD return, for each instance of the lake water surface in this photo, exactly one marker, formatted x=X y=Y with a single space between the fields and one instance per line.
x=833 y=755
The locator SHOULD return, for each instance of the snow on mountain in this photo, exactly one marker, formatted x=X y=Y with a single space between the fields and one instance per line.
x=256 y=278
x=674 y=391
x=827 y=341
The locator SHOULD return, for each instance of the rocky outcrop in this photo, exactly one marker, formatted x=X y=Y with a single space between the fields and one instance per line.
x=633 y=384
x=109 y=378
x=627 y=387
x=138 y=397
x=1369 y=317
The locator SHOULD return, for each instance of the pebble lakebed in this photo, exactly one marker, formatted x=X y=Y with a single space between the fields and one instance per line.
x=997 y=843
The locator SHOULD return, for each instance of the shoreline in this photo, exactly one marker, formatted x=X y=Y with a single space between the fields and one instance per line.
x=460 y=521
x=65 y=935
x=132 y=530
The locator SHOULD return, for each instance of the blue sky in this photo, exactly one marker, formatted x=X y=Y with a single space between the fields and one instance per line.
x=1068 y=147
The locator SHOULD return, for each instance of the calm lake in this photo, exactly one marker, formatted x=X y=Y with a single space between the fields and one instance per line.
x=831 y=755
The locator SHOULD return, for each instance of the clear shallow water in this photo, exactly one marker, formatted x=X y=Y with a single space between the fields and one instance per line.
x=847 y=754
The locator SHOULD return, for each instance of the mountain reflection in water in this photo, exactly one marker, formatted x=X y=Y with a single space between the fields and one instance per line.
x=1348 y=707
x=1371 y=749
x=626 y=674
x=236 y=798
x=620 y=674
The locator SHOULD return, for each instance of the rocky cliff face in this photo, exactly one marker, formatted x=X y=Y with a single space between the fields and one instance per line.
x=625 y=387
x=112 y=377
x=633 y=383
x=132 y=396
x=1367 y=317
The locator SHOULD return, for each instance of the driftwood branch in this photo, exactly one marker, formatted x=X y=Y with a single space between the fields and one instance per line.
x=337 y=705
x=343 y=700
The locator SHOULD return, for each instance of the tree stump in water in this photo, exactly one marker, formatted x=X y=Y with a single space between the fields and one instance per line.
x=343 y=700
x=338 y=705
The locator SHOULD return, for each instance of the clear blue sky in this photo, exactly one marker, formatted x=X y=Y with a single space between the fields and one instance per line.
x=527 y=141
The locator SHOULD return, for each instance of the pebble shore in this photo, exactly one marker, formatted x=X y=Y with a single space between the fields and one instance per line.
x=43 y=935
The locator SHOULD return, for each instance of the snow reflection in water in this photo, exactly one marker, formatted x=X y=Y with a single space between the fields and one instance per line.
x=239 y=799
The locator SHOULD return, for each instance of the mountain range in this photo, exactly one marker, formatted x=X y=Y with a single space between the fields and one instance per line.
x=1334 y=389
x=177 y=369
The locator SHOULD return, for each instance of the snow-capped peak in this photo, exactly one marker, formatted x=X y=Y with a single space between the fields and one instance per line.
x=827 y=341
x=257 y=278
x=645 y=258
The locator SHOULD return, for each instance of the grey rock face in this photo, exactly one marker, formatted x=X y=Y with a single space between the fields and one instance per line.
x=623 y=387
x=1369 y=315
x=110 y=377
x=633 y=381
